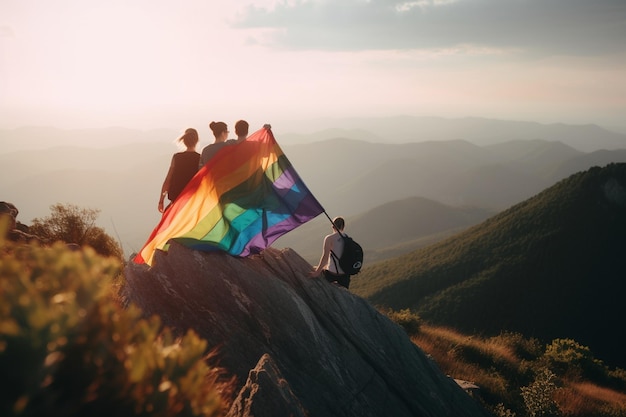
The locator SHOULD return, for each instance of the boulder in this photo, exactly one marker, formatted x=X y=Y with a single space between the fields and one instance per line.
x=266 y=393
x=16 y=231
x=325 y=349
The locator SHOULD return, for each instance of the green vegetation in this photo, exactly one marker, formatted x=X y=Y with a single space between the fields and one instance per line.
x=409 y=321
x=68 y=348
x=547 y=267
x=519 y=376
x=71 y=224
x=539 y=395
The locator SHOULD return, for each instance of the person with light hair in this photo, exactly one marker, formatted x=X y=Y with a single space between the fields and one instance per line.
x=183 y=167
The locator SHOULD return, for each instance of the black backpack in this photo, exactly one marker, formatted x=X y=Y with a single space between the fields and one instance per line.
x=351 y=259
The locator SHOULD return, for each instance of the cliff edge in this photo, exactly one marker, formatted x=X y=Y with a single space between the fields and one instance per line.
x=298 y=346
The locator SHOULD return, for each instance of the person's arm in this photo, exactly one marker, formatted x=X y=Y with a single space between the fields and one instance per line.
x=324 y=259
x=166 y=185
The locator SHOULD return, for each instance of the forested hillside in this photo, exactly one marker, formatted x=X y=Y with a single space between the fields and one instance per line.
x=551 y=266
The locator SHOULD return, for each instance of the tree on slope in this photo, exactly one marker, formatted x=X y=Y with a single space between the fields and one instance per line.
x=71 y=224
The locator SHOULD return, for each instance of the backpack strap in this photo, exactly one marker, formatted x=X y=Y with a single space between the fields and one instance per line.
x=335 y=260
x=335 y=257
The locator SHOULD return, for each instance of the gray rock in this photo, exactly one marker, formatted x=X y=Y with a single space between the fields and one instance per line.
x=337 y=353
x=266 y=393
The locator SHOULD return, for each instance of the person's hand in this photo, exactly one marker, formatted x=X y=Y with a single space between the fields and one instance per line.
x=160 y=206
x=267 y=126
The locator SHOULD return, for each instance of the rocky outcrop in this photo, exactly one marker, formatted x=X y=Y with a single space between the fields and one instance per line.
x=16 y=231
x=297 y=345
x=266 y=393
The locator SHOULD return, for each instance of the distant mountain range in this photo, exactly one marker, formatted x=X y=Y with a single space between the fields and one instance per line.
x=120 y=172
x=350 y=177
x=38 y=138
x=399 y=129
x=391 y=229
x=479 y=131
x=551 y=267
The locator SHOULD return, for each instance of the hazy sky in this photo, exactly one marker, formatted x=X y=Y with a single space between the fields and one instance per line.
x=157 y=63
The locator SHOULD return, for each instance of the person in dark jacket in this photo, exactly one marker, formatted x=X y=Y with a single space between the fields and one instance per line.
x=183 y=167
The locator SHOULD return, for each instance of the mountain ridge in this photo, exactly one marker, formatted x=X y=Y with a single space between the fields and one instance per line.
x=347 y=176
x=481 y=131
x=551 y=266
x=394 y=129
x=402 y=223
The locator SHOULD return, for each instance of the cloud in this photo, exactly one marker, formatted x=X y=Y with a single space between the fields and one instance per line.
x=539 y=27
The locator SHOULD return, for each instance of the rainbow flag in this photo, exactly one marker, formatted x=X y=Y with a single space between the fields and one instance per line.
x=242 y=200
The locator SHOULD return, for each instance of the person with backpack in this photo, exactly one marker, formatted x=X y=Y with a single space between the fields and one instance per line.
x=332 y=251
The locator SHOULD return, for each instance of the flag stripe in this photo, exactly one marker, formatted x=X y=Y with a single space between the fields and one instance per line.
x=245 y=223
x=263 y=240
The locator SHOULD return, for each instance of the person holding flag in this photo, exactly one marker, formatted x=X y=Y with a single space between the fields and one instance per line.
x=244 y=198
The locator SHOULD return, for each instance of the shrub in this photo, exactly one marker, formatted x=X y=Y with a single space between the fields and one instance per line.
x=525 y=348
x=66 y=348
x=617 y=377
x=409 y=320
x=566 y=356
x=501 y=411
x=539 y=395
x=71 y=224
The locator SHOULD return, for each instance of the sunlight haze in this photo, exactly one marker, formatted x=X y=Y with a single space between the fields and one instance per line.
x=153 y=64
